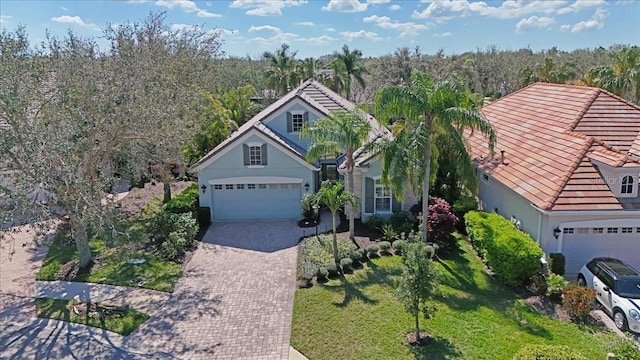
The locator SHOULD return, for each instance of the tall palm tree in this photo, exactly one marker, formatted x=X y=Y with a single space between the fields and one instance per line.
x=340 y=131
x=353 y=66
x=281 y=72
x=338 y=79
x=422 y=111
x=548 y=72
x=334 y=198
x=308 y=68
x=622 y=78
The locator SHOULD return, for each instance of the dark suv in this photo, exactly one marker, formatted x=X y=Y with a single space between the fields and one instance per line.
x=617 y=287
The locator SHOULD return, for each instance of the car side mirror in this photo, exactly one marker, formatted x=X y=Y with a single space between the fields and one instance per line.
x=605 y=288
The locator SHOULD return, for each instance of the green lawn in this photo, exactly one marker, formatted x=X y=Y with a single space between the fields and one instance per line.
x=112 y=261
x=476 y=319
x=59 y=310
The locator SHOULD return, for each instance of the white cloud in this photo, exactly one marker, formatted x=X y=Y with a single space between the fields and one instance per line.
x=565 y=27
x=205 y=14
x=264 y=28
x=74 y=20
x=352 y=35
x=330 y=29
x=534 y=22
x=306 y=23
x=230 y=32
x=347 y=6
x=441 y=35
x=4 y=18
x=137 y=1
x=184 y=5
x=580 y=5
x=63 y=8
x=187 y=27
x=395 y=7
x=444 y=10
x=405 y=29
x=281 y=37
x=265 y=7
x=596 y=22
x=376 y=2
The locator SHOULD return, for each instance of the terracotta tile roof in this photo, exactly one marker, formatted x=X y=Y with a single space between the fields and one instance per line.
x=549 y=134
x=317 y=96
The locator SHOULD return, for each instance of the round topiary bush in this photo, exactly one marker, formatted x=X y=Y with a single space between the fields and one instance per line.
x=332 y=269
x=384 y=246
x=372 y=250
x=355 y=256
x=398 y=245
x=362 y=252
x=346 y=263
x=429 y=251
x=322 y=273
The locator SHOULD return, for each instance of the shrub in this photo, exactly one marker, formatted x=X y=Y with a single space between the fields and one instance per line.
x=429 y=251
x=355 y=256
x=384 y=246
x=173 y=234
x=398 y=245
x=511 y=253
x=322 y=272
x=577 y=301
x=555 y=284
x=345 y=263
x=372 y=250
x=319 y=250
x=557 y=261
x=362 y=252
x=547 y=352
x=441 y=222
x=461 y=207
x=374 y=222
x=332 y=268
x=307 y=202
x=184 y=202
x=625 y=349
x=400 y=222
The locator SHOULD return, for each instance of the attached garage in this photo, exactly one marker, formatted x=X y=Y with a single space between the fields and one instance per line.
x=581 y=244
x=256 y=198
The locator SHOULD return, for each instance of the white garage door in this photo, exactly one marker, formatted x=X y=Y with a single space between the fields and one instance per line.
x=579 y=245
x=252 y=201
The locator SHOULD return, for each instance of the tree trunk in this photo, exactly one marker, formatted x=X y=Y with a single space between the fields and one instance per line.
x=349 y=206
x=79 y=233
x=167 y=191
x=425 y=191
x=417 y=323
x=335 y=239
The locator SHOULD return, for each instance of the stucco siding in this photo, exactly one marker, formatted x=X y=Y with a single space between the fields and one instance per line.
x=278 y=122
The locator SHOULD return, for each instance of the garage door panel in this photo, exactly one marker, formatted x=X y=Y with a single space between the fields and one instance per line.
x=578 y=249
x=256 y=201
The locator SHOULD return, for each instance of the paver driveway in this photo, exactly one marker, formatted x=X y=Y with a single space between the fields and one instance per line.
x=235 y=300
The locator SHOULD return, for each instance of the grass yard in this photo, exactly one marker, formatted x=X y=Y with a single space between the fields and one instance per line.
x=477 y=318
x=59 y=310
x=112 y=264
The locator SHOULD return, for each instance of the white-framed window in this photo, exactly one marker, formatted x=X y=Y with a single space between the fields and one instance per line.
x=255 y=155
x=598 y=230
x=612 y=230
x=240 y=186
x=297 y=120
x=627 y=185
x=229 y=186
x=382 y=197
x=251 y=186
x=627 y=230
x=217 y=187
x=567 y=231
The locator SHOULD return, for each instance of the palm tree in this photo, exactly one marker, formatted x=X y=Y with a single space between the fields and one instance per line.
x=353 y=67
x=338 y=79
x=281 y=72
x=622 y=78
x=334 y=198
x=339 y=131
x=423 y=111
x=308 y=68
x=548 y=72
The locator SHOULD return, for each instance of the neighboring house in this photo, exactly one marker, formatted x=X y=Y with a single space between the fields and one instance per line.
x=260 y=171
x=565 y=170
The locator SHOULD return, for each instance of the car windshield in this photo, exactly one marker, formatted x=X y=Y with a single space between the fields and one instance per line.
x=629 y=288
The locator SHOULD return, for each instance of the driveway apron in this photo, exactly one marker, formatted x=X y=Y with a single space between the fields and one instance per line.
x=235 y=300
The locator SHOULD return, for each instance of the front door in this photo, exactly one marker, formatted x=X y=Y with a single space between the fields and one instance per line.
x=329 y=172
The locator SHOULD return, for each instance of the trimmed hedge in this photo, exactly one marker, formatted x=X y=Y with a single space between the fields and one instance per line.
x=547 y=352
x=511 y=253
x=557 y=261
x=184 y=202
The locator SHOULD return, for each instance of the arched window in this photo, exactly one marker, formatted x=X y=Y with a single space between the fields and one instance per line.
x=627 y=184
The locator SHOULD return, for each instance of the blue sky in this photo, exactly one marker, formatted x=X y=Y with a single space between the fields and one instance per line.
x=377 y=27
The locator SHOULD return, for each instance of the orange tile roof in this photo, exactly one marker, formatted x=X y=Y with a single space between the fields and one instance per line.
x=549 y=133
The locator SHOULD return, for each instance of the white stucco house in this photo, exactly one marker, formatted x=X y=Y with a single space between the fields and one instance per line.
x=566 y=169
x=260 y=171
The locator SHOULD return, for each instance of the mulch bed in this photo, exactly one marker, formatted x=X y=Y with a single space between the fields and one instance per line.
x=364 y=236
x=136 y=199
x=425 y=338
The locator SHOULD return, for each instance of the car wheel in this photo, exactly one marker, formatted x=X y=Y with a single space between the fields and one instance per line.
x=581 y=281
x=620 y=320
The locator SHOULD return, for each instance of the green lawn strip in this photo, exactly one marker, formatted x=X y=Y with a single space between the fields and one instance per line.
x=59 y=310
x=155 y=273
x=477 y=318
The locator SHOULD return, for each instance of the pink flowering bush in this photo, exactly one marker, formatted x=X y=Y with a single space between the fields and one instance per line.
x=441 y=222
